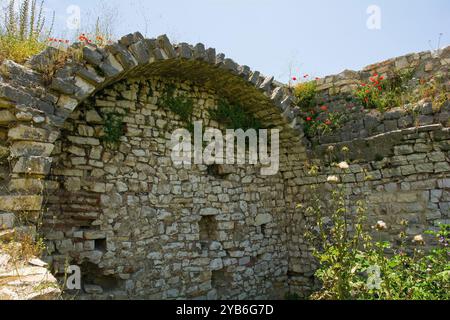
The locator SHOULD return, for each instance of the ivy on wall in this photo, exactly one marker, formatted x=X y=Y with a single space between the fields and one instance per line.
x=181 y=105
x=234 y=116
x=114 y=128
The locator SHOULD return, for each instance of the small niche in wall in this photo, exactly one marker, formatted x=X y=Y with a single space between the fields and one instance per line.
x=221 y=280
x=208 y=229
x=220 y=170
x=93 y=275
x=100 y=245
x=264 y=229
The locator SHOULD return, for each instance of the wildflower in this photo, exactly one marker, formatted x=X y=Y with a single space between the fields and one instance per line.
x=418 y=240
x=328 y=122
x=324 y=108
x=306 y=76
x=333 y=179
x=330 y=149
x=308 y=119
x=375 y=74
x=381 y=78
x=317 y=78
x=381 y=225
x=343 y=165
x=294 y=78
x=345 y=149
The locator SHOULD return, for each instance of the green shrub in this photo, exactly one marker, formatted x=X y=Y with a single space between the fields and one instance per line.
x=113 y=128
x=234 y=117
x=305 y=94
x=180 y=105
x=354 y=266
x=384 y=94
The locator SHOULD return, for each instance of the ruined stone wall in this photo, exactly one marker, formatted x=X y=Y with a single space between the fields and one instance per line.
x=399 y=161
x=140 y=227
x=410 y=182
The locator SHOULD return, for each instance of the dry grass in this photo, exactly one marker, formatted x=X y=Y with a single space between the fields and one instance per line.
x=18 y=50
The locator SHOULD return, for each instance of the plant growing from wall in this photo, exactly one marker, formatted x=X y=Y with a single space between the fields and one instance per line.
x=434 y=89
x=383 y=94
x=22 y=32
x=355 y=266
x=234 y=116
x=322 y=121
x=305 y=93
x=114 y=128
x=181 y=105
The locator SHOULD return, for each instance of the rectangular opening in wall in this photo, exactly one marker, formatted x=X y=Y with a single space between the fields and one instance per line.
x=221 y=281
x=208 y=229
x=100 y=245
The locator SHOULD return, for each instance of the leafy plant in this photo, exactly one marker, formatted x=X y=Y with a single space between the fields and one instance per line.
x=113 y=128
x=348 y=255
x=305 y=93
x=179 y=104
x=322 y=121
x=22 y=32
x=234 y=117
x=434 y=89
x=369 y=95
x=382 y=94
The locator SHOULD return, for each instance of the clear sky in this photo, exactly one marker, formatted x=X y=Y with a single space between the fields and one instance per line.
x=318 y=37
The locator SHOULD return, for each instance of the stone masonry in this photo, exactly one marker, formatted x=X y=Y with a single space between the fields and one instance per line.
x=140 y=227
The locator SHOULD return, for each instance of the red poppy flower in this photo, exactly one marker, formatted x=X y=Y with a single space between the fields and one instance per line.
x=294 y=78
x=375 y=74
x=363 y=85
x=306 y=76
x=309 y=119
x=328 y=122
x=324 y=108
x=381 y=78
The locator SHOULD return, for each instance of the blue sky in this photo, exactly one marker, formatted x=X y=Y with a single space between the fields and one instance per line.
x=318 y=37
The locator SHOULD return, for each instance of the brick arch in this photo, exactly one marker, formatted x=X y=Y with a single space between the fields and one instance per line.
x=37 y=111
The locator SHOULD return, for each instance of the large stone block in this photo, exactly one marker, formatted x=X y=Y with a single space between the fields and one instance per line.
x=33 y=165
x=31 y=148
x=6 y=117
x=21 y=203
x=262 y=219
x=27 y=133
x=7 y=221
x=26 y=185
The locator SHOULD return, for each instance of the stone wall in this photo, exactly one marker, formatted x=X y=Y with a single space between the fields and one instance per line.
x=151 y=230
x=409 y=182
x=140 y=227
x=399 y=161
